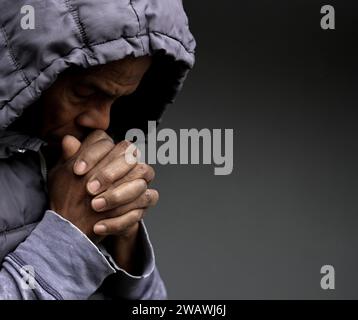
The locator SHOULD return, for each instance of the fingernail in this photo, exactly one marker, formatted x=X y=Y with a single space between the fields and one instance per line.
x=80 y=166
x=99 y=203
x=100 y=228
x=93 y=186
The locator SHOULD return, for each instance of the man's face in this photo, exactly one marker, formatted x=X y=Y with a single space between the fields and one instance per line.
x=80 y=101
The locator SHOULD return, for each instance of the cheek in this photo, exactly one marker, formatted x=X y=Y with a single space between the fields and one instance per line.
x=59 y=114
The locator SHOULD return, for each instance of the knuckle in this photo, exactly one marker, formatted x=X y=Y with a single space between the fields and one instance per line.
x=106 y=177
x=139 y=214
x=92 y=154
x=123 y=145
x=100 y=134
x=88 y=156
x=94 y=135
x=115 y=196
x=107 y=142
x=113 y=226
x=141 y=169
x=147 y=198
x=144 y=213
x=155 y=196
x=146 y=171
x=142 y=184
x=151 y=173
x=117 y=227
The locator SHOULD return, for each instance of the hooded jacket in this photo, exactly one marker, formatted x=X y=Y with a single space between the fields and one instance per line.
x=42 y=255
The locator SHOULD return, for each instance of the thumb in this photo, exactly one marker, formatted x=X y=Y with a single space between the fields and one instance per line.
x=70 y=146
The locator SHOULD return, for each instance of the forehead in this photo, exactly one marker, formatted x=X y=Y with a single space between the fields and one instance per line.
x=127 y=71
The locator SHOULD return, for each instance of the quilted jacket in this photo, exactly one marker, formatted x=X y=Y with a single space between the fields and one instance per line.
x=42 y=255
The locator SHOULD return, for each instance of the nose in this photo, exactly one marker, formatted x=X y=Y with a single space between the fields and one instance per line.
x=96 y=117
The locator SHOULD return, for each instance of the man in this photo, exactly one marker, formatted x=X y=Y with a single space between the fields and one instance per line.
x=71 y=207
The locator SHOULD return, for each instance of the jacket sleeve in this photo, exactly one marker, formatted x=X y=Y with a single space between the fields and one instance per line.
x=56 y=261
x=146 y=286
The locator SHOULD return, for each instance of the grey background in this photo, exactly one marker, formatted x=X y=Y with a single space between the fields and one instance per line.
x=289 y=90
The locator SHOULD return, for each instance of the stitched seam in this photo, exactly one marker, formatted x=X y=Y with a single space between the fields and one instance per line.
x=94 y=45
x=16 y=259
x=13 y=57
x=139 y=26
x=80 y=26
x=143 y=35
x=175 y=39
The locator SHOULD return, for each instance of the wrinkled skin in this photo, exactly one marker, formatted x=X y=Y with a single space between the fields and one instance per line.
x=90 y=182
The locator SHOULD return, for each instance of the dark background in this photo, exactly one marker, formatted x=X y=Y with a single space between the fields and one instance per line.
x=289 y=90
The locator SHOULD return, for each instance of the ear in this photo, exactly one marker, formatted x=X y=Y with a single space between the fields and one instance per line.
x=70 y=146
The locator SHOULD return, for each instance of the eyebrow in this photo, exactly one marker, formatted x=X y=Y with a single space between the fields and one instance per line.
x=98 y=87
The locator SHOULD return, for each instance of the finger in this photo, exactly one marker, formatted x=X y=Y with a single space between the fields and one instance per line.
x=118 y=225
x=148 y=199
x=70 y=146
x=81 y=166
x=95 y=136
x=90 y=156
x=140 y=171
x=132 y=154
x=123 y=194
x=113 y=167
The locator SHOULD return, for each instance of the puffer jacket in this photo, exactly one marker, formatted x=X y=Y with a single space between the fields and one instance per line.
x=42 y=255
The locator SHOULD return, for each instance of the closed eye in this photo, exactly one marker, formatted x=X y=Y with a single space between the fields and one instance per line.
x=84 y=91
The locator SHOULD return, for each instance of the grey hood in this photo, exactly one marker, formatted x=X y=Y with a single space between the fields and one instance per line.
x=86 y=33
